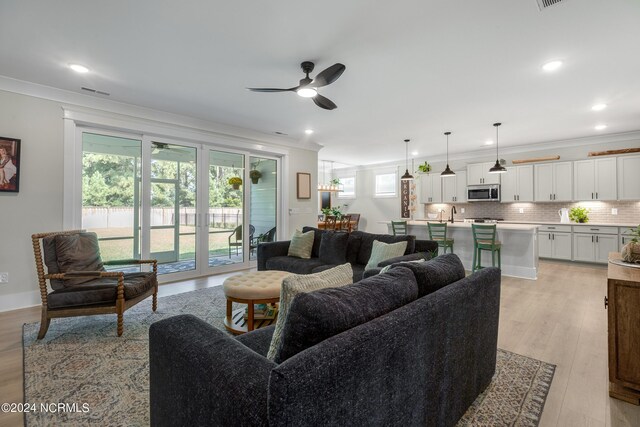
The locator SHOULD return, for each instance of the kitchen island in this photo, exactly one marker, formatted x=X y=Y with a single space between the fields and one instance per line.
x=519 y=245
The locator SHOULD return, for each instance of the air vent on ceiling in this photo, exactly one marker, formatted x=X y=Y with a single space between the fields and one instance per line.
x=543 y=4
x=99 y=92
x=280 y=133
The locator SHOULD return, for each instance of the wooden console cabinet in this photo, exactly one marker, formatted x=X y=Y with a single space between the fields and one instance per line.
x=623 y=300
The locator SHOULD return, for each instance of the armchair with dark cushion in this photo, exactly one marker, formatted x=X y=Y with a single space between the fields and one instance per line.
x=81 y=285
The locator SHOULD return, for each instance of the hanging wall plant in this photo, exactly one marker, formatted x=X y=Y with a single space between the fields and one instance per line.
x=255 y=175
x=235 y=182
x=424 y=168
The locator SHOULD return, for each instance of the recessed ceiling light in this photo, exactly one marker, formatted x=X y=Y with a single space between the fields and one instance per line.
x=308 y=131
x=600 y=127
x=599 y=107
x=414 y=153
x=552 y=66
x=79 y=68
x=489 y=142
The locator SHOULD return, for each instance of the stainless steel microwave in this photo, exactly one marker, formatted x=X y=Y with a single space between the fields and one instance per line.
x=483 y=193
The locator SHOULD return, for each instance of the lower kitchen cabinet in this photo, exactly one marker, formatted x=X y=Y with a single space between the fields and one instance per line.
x=554 y=245
x=594 y=247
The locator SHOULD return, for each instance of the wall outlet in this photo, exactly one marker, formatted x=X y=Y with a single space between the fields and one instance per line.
x=521 y=210
x=4 y=277
x=614 y=211
x=462 y=210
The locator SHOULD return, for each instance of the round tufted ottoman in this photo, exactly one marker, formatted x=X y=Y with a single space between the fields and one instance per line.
x=256 y=287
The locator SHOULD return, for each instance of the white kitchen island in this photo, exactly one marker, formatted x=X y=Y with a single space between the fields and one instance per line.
x=519 y=245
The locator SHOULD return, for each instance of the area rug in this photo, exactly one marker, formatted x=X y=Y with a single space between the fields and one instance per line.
x=104 y=380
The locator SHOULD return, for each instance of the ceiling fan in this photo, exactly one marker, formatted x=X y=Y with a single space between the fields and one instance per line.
x=308 y=88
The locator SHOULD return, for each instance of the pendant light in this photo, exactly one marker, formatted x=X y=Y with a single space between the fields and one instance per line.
x=497 y=168
x=447 y=172
x=407 y=176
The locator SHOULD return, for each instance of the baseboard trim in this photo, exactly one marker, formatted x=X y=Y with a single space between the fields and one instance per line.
x=20 y=300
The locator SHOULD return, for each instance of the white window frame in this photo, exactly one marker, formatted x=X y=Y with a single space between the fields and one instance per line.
x=395 y=186
x=342 y=194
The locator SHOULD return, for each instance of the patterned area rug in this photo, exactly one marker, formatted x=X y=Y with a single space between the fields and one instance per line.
x=82 y=361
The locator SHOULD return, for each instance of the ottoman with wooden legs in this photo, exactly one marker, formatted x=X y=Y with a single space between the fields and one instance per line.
x=256 y=287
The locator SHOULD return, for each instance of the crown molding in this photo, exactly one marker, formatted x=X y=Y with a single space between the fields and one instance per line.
x=72 y=101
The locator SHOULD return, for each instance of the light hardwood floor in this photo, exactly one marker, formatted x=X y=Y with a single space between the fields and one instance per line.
x=560 y=318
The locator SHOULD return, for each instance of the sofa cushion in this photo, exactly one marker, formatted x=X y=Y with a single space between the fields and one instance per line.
x=301 y=244
x=383 y=251
x=353 y=247
x=316 y=316
x=101 y=291
x=436 y=273
x=301 y=283
x=333 y=247
x=78 y=252
x=358 y=270
x=418 y=256
x=293 y=264
x=317 y=239
x=367 y=244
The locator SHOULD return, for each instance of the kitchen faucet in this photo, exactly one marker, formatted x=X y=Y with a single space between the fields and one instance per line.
x=453 y=210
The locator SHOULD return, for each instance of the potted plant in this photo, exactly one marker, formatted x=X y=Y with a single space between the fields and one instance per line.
x=255 y=175
x=631 y=251
x=235 y=182
x=579 y=214
x=333 y=211
x=424 y=168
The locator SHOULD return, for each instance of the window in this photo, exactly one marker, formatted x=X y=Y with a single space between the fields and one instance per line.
x=386 y=185
x=348 y=188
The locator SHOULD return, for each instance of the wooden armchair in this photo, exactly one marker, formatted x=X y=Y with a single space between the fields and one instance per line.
x=81 y=286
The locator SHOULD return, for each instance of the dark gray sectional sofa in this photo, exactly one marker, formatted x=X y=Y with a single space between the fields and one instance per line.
x=412 y=347
x=337 y=248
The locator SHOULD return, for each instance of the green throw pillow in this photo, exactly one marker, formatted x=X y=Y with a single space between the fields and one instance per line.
x=383 y=251
x=301 y=283
x=301 y=244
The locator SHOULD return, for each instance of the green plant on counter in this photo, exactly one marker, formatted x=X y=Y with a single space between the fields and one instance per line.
x=335 y=211
x=579 y=214
x=424 y=168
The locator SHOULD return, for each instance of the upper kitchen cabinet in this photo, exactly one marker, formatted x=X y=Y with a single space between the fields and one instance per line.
x=553 y=182
x=431 y=188
x=629 y=177
x=478 y=174
x=454 y=188
x=595 y=179
x=517 y=184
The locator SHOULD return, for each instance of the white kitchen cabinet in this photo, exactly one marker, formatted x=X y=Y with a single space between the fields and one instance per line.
x=461 y=186
x=605 y=243
x=561 y=246
x=430 y=188
x=545 y=245
x=629 y=177
x=454 y=188
x=553 y=243
x=517 y=184
x=553 y=182
x=595 y=179
x=593 y=245
x=478 y=174
x=583 y=247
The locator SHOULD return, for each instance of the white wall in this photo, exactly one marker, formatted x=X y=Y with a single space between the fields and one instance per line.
x=38 y=207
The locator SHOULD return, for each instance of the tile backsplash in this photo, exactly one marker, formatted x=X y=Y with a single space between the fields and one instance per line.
x=600 y=212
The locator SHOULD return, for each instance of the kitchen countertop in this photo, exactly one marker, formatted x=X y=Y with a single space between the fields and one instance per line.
x=460 y=224
x=591 y=224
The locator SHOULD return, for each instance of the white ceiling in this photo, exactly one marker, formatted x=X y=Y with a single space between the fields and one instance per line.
x=414 y=68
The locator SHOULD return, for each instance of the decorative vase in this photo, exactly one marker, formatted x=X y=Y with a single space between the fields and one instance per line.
x=631 y=253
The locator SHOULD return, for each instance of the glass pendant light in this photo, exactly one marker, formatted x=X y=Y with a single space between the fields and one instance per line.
x=447 y=172
x=497 y=168
x=407 y=176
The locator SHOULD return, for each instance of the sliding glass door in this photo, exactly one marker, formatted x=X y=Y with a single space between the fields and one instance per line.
x=197 y=209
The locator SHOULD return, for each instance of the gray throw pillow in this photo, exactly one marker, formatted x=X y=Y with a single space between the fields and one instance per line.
x=78 y=252
x=333 y=248
x=301 y=244
x=384 y=251
x=301 y=283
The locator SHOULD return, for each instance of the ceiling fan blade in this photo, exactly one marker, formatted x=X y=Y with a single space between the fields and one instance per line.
x=323 y=102
x=328 y=76
x=269 y=89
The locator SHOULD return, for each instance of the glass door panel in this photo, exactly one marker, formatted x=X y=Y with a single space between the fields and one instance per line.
x=264 y=200
x=225 y=215
x=172 y=238
x=111 y=184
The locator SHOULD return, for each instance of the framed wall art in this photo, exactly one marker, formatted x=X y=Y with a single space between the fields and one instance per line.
x=9 y=165
x=303 y=185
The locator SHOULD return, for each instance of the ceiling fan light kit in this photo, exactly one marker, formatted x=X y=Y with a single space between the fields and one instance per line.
x=447 y=172
x=497 y=168
x=308 y=88
x=407 y=176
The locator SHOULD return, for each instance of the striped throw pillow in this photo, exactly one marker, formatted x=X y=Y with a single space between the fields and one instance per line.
x=301 y=283
x=383 y=251
x=301 y=244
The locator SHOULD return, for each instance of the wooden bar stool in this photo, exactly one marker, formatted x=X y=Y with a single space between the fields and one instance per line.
x=484 y=239
x=438 y=233
x=399 y=228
